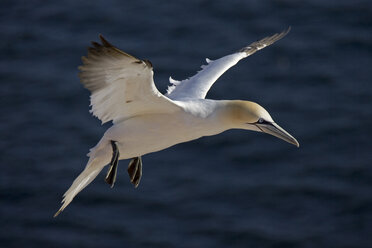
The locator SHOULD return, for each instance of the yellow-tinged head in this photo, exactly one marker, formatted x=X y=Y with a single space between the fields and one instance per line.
x=251 y=116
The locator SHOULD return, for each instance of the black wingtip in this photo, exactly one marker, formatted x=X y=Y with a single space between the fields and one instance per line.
x=95 y=44
x=104 y=41
x=148 y=63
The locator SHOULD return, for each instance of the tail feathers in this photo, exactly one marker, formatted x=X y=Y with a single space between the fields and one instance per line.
x=90 y=172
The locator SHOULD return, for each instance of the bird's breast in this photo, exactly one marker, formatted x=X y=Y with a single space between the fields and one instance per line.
x=149 y=133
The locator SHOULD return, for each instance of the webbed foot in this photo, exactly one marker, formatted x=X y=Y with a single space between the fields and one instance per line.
x=112 y=171
x=135 y=171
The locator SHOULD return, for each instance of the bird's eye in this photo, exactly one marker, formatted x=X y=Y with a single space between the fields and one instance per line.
x=260 y=120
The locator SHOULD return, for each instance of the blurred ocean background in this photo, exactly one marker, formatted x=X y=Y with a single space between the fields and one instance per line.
x=237 y=189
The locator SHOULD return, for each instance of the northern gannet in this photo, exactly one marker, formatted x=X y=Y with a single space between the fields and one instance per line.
x=144 y=120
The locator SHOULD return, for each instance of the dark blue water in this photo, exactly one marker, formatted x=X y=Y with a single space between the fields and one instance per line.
x=237 y=189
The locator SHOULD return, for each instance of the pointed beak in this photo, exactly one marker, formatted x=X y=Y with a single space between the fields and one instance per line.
x=275 y=130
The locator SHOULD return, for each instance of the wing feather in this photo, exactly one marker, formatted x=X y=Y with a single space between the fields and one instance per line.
x=198 y=85
x=121 y=85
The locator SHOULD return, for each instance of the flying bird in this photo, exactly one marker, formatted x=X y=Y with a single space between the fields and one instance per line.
x=144 y=120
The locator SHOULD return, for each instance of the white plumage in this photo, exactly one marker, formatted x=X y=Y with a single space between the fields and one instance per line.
x=145 y=121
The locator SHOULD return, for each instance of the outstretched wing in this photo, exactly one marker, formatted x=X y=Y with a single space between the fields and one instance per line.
x=121 y=85
x=198 y=85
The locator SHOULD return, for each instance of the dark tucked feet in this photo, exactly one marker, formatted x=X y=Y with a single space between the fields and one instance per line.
x=112 y=171
x=135 y=171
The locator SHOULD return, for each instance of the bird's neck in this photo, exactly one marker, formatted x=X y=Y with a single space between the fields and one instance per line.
x=226 y=112
x=234 y=114
x=223 y=113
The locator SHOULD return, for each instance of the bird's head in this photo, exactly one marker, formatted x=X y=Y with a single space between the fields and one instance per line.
x=251 y=116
